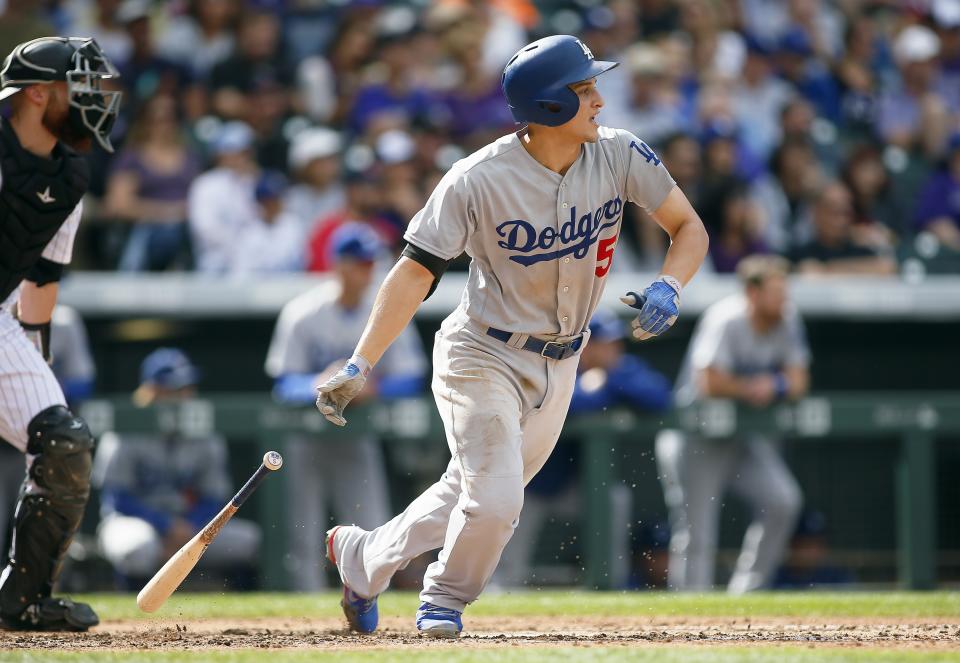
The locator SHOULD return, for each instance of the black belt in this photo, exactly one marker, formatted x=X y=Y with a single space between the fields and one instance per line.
x=548 y=349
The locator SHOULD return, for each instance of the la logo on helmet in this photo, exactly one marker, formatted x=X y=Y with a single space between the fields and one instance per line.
x=586 y=50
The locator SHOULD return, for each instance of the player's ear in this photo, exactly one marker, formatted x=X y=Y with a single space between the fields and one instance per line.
x=36 y=94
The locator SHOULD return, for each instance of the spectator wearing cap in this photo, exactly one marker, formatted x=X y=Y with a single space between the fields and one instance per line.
x=314 y=160
x=912 y=113
x=221 y=202
x=939 y=208
x=726 y=160
x=833 y=249
x=725 y=149
x=148 y=187
x=808 y=75
x=364 y=204
x=201 y=37
x=159 y=489
x=312 y=337
x=608 y=377
x=274 y=242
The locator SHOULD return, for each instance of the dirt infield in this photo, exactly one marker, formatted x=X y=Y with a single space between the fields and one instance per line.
x=487 y=632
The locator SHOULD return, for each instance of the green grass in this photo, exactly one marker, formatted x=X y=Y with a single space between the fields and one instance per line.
x=916 y=605
x=672 y=654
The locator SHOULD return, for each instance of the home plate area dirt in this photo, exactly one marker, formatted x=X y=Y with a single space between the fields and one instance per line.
x=486 y=632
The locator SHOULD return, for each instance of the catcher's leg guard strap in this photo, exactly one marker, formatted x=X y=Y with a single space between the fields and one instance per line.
x=47 y=515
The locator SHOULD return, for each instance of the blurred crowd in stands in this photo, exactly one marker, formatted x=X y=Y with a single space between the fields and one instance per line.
x=827 y=131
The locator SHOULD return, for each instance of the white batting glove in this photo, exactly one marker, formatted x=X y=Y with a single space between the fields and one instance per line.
x=334 y=394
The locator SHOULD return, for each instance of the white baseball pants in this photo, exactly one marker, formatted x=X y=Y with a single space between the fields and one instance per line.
x=27 y=385
x=502 y=410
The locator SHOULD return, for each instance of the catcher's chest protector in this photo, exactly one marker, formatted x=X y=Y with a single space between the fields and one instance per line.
x=36 y=197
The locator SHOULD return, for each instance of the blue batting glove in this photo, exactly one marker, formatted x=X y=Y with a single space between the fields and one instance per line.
x=659 y=307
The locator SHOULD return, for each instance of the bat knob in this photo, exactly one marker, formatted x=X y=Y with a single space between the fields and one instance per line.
x=272 y=460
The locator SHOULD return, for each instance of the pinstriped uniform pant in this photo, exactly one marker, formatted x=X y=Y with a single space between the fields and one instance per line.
x=27 y=385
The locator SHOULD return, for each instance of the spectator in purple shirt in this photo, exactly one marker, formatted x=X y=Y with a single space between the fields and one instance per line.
x=394 y=93
x=739 y=232
x=939 y=206
x=148 y=188
x=477 y=109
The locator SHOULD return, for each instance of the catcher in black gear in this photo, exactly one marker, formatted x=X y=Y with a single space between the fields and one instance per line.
x=59 y=104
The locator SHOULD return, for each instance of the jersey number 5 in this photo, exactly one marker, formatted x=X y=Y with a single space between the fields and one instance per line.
x=605 y=255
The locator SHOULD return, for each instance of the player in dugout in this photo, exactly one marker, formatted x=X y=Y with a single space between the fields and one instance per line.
x=750 y=347
x=314 y=335
x=159 y=489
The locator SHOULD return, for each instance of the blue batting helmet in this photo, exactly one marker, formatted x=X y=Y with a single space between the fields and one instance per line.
x=536 y=79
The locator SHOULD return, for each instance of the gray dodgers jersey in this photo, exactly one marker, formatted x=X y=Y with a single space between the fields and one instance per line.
x=314 y=330
x=724 y=339
x=541 y=243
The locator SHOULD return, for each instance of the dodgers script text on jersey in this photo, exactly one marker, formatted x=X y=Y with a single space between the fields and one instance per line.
x=576 y=236
x=541 y=242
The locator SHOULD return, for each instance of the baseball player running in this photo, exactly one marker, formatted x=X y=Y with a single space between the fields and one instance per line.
x=539 y=213
x=54 y=85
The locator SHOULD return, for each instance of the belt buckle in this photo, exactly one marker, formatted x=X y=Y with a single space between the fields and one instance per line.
x=543 y=351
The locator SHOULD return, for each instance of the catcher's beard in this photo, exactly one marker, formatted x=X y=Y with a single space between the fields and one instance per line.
x=56 y=120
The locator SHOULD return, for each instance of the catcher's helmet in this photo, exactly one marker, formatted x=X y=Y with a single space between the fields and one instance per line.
x=79 y=62
x=536 y=79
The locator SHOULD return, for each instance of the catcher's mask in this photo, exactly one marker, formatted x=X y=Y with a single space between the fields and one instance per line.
x=82 y=64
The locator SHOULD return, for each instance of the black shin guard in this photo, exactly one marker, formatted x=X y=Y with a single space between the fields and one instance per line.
x=47 y=517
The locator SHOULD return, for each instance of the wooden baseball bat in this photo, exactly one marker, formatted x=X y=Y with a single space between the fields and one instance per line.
x=167 y=579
